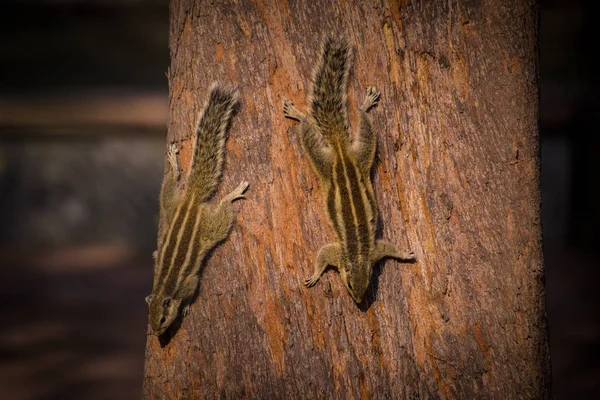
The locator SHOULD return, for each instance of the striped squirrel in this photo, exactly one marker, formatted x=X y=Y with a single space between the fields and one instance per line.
x=190 y=226
x=343 y=164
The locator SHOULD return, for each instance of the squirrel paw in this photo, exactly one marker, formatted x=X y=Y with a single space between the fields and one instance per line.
x=172 y=152
x=185 y=311
x=372 y=99
x=237 y=193
x=290 y=111
x=310 y=282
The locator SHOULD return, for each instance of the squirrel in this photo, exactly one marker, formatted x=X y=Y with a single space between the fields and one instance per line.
x=343 y=164
x=190 y=227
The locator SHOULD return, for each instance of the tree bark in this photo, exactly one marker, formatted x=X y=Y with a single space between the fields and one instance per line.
x=456 y=180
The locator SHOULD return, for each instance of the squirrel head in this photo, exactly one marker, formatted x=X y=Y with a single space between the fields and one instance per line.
x=163 y=311
x=357 y=282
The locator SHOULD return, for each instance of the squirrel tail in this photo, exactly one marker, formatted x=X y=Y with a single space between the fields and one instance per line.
x=329 y=95
x=209 y=143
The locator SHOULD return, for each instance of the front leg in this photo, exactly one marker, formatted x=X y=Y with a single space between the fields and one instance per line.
x=330 y=254
x=385 y=249
x=187 y=291
x=319 y=154
x=365 y=142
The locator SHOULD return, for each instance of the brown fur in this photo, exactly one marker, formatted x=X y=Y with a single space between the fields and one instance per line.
x=191 y=227
x=343 y=165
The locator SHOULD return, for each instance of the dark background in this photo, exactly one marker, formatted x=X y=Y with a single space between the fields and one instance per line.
x=83 y=109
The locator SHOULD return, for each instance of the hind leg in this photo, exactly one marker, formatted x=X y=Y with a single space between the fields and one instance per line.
x=365 y=142
x=218 y=221
x=169 y=195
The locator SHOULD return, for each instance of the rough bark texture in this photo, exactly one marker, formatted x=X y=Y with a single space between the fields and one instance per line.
x=456 y=180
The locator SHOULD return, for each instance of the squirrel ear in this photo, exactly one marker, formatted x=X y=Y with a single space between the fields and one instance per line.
x=149 y=299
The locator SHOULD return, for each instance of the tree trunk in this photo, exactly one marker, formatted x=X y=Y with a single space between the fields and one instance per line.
x=456 y=180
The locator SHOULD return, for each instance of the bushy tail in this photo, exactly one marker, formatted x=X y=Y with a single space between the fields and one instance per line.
x=329 y=96
x=209 y=144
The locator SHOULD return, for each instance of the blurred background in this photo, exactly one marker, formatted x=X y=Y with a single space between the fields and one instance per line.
x=83 y=110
